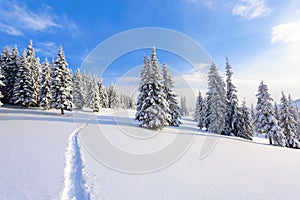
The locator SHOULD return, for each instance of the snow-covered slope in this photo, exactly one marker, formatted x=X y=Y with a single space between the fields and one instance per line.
x=46 y=156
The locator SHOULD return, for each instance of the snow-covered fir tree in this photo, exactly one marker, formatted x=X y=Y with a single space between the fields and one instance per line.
x=216 y=101
x=3 y=63
x=232 y=105
x=183 y=108
x=113 y=97
x=200 y=111
x=1 y=85
x=276 y=111
x=288 y=122
x=45 y=90
x=23 y=92
x=78 y=93
x=131 y=103
x=103 y=95
x=199 y=100
x=171 y=97
x=152 y=107
x=10 y=72
x=252 y=112
x=245 y=129
x=265 y=120
x=95 y=101
x=89 y=88
x=203 y=113
x=61 y=85
x=35 y=68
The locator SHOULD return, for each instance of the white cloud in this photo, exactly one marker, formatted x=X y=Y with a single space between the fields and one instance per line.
x=48 y=49
x=250 y=9
x=286 y=33
x=17 y=18
x=10 y=30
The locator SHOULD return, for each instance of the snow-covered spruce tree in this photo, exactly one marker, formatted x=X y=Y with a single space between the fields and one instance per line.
x=35 y=68
x=45 y=90
x=276 y=111
x=9 y=71
x=61 y=85
x=203 y=113
x=183 y=108
x=103 y=95
x=232 y=104
x=89 y=88
x=288 y=122
x=197 y=108
x=23 y=92
x=265 y=120
x=95 y=101
x=245 y=123
x=200 y=111
x=152 y=107
x=3 y=63
x=171 y=97
x=217 y=100
x=78 y=94
x=131 y=103
x=113 y=97
x=1 y=85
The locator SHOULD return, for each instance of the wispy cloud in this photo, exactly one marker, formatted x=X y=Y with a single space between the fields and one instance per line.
x=286 y=33
x=250 y=9
x=48 y=49
x=16 y=18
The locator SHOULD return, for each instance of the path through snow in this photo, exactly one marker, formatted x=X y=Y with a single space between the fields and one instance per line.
x=74 y=182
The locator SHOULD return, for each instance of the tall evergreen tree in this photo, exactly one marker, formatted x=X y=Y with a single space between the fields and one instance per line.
x=113 y=97
x=232 y=107
x=10 y=71
x=216 y=101
x=3 y=63
x=23 y=92
x=45 y=90
x=78 y=93
x=95 y=101
x=61 y=85
x=288 y=122
x=152 y=108
x=245 y=123
x=35 y=68
x=103 y=95
x=1 y=85
x=276 y=111
x=89 y=88
x=200 y=111
x=265 y=120
x=171 y=97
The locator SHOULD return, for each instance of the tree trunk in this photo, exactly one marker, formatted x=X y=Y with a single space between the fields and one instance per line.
x=62 y=111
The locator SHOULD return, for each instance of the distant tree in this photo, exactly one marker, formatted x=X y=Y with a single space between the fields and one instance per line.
x=152 y=107
x=78 y=93
x=216 y=101
x=171 y=97
x=131 y=103
x=61 y=85
x=288 y=122
x=103 y=95
x=113 y=97
x=200 y=111
x=245 y=123
x=95 y=101
x=45 y=90
x=23 y=92
x=232 y=104
x=252 y=112
x=183 y=108
x=265 y=120
x=89 y=88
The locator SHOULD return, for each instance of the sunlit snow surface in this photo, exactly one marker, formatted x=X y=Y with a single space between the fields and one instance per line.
x=39 y=154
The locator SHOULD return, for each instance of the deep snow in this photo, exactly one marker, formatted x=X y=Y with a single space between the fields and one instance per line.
x=46 y=156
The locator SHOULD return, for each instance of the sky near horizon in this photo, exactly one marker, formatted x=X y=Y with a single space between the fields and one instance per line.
x=261 y=38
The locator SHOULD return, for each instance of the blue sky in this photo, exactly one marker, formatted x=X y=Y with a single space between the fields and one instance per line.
x=260 y=37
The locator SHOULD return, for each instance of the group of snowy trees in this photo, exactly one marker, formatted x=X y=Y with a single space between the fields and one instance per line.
x=219 y=112
x=27 y=82
x=281 y=125
x=157 y=104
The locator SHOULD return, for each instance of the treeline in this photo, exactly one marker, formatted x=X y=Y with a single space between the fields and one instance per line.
x=220 y=112
x=27 y=82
